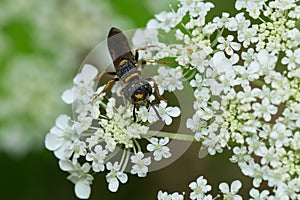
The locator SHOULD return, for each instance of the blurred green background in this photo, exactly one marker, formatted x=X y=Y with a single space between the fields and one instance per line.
x=42 y=44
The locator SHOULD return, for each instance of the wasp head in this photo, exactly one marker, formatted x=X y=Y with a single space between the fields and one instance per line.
x=138 y=91
x=141 y=94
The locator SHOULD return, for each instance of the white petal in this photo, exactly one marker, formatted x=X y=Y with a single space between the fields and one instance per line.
x=122 y=177
x=193 y=185
x=218 y=58
x=113 y=185
x=164 y=141
x=163 y=104
x=224 y=188
x=173 y=112
x=154 y=140
x=267 y=117
x=236 y=46
x=66 y=165
x=63 y=153
x=190 y=124
x=235 y=186
x=86 y=167
x=57 y=131
x=221 y=39
x=167 y=119
x=82 y=189
x=150 y=147
x=89 y=72
x=253 y=67
x=52 y=142
x=167 y=154
x=68 y=96
x=62 y=122
x=147 y=161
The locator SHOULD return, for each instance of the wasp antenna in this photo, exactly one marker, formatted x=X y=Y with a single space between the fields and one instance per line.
x=133 y=113
x=155 y=110
x=136 y=56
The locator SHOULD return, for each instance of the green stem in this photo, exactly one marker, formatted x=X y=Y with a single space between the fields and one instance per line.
x=297 y=24
x=213 y=43
x=123 y=157
x=258 y=83
x=126 y=160
x=188 y=32
x=111 y=155
x=175 y=136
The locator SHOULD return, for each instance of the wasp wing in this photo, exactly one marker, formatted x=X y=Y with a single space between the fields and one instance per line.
x=118 y=47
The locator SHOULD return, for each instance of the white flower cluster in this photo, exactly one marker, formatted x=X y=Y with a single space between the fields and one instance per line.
x=246 y=85
x=169 y=79
x=200 y=188
x=91 y=142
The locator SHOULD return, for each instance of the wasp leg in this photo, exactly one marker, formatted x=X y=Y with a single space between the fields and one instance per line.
x=144 y=48
x=136 y=51
x=155 y=110
x=105 y=73
x=158 y=61
x=105 y=88
x=156 y=89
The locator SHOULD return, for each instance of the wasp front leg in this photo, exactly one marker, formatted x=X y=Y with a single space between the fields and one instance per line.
x=144 y=61
x=136 y=51
x=105 y=73
x=104 y=89
x=156 y=89
x=158 y=61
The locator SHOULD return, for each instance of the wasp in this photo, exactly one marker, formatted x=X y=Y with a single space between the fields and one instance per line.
x=127 y=69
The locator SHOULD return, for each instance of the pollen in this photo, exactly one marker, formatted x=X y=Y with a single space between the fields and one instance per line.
x=139 y=96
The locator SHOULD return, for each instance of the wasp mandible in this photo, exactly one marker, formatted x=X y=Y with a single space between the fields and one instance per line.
x=127 y=69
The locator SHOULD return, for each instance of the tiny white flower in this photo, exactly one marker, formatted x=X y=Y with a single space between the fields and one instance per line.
x=141 y=164
x=165 y=196
x=231 y=193
x=83 y=124
x=265 y=109
x=83 y=86
x=114 y=176
x=142 y=38
x=166 y=113
x=228 y=45
x=291 y=59
x=256 y=195
x=176 y=196
x=199 y=188
x=145 y=115
x=168 y=20
x=162 y=195
x=97 y=156
x=248 y=36
x=280 y=135
x=169 y=79
x=159 y=148
x=79 y=176
x=60 y=138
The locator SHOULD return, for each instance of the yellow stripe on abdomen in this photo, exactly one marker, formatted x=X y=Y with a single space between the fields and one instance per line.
x=127 y=79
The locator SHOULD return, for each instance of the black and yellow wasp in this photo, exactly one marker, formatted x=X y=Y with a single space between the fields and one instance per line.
x=137 y=90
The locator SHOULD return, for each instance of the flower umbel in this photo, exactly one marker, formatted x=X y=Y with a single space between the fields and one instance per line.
x=100 y=130
x=245 y=74
x=245 y=77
